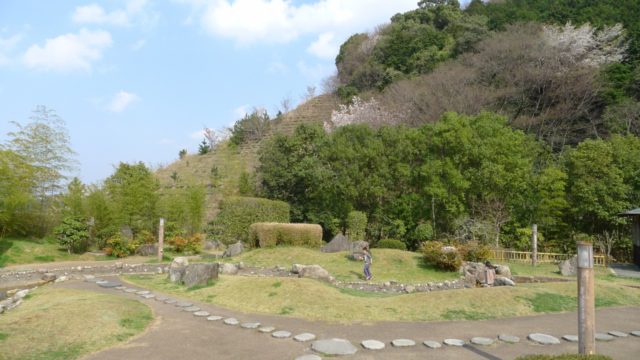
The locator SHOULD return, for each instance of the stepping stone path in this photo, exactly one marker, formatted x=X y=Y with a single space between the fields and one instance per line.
x=250 y=325
x=214 y=318
x=309 y=357
x=403 y=343
x=184 y=304
x=304 y=337
x=281 y=334
x=334 y=347
x=454 y=342
x=266 y=329
x=571 y=338
x=544 y=339
x=482 y=341
x=618 y=333
x=432 y=344
x=191 y=309
x=170 y=301
x=635 y=333
x=373 y=345
x=604 y=337
x=509 y=339
x=201 y=313
x=231 y=321
x=109 y=284
x=143 y=292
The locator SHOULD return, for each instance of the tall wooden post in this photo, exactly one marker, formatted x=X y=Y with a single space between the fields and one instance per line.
x=160 y=239
x=534 y=244
x=586 y=300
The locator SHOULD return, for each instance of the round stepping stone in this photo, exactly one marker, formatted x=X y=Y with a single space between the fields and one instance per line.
x=183 y=304
x=309 y=357
x=201 y=313
x=109 y=284
x=482 y=341
x=231 y=321
x=281 y=334
x=214 y=318
x=571 y=338
x=454 y=342
x=191 y=309
x=120 y=288
x=544 y=339
x=98 y=281
x=304 y=337
x=250 y=325
x=432 y=344
x=162 y=298
x=403 y=342
x=618 y=333
x=170 y=301
x=148 y=296
x=266 y=329
x=635 y=333
x=372 y=345
x=131 y=290
x=143 y=292
x=604 y=337
x=334 y=347
x=509 y=339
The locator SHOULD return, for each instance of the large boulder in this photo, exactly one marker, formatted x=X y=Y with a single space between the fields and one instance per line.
x=569 y=267
x=357 y=250
x=228 y=268
x=337 y=244
x=177 y=269
x=147 y=250
x=503 y=281
x=504 y=271
x=200 y=274
x=233 y=250
x=475 y=273
x=311 y=271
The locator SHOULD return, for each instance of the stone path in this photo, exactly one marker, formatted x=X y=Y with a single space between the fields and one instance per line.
x=179 y=334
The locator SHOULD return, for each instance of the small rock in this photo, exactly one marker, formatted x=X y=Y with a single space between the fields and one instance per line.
x=250 y=325
x=410 y=288
x=432 y=344
x=454 y=342
x=48 y=277
x=544 y=339
x=191 y=309
x=231 y=321
x=570 y=338
x=618 y=333
x=281 y=334
x=21 y=294
x=403 y=343
x=636 y=333
x=482 y=341
x=121 y=288
x=214 y=318
x=503 y=281
x=304 y=337
x=201 y=313
x=143 y=292
x=148 y=296
x=228 y=269
x=334 y=347
x=61 y=279
x=372 y=345
x=604 y=337
x=266 y=329
x=171 y=301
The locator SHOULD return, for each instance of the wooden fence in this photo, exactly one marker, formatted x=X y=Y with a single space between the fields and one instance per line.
x=543 y=258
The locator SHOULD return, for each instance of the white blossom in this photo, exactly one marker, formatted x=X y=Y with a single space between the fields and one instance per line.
x=586 y=44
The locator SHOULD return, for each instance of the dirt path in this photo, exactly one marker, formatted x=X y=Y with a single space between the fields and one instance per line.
x=180 y=335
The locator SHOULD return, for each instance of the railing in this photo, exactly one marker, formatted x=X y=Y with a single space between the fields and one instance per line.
x=543 y=258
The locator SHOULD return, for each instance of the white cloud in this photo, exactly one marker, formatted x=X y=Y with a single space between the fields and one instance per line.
x=326 y=46
x=122 y=100
x=135 y=11
x=280 y=21
x=69 y=52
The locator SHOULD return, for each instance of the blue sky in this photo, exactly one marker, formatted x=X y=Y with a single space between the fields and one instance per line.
x=137 y=80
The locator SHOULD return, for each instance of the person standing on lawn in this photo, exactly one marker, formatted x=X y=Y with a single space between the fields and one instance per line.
x=367 y=263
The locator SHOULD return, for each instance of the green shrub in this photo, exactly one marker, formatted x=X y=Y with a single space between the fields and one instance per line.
x=73 y=234
x=441 y=256
x=145 y=237
x=273 y=234
x=238 y=213
x=117 y=246
x=473 y=251
x=356 y=225
x=423 y=232
x=391 y=244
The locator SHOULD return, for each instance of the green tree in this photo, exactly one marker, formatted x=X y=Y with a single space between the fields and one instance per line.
x=356 y=225
x=251 y=127
x=73 y=199
x=73 y=234
x=16 y=194
x=99 y=213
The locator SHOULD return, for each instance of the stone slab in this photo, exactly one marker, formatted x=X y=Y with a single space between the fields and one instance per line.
x=120 y=288
x=509 y=338
x=231 y=321
x=334 y=347
x=403 y=343
x=161 y=298
x=171 y=301
x=214 y=318
x=454 y=342
x=281 y=334
x=432 y=344
x=250 y=325
x=109 y=284
x=604 y=337
x=618 y=333
x=143 y=292
x=266 y=329
x=148 y=296
x=544 y=339
x=636 y=333
x=372 y=345
x=201 y=313
x=570 y=338
x=304 y=337
x=131 y=290
x=191 y=309
x=184 y=304
x=484 y=341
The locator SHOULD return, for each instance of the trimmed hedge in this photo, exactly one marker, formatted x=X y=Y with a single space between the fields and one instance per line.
x=391 y=244
x=238 y=213
x=273 y=234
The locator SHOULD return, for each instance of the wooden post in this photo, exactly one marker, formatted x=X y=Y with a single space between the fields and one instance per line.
x=586 y=300
x=534 y=244
x=160 y=239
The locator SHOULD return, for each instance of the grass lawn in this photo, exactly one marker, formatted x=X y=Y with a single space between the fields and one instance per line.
x=26 y=251
x=388 y=264
x=316 y=300
x=66 y=324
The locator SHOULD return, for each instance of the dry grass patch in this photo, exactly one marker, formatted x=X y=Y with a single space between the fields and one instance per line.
x=65 y=324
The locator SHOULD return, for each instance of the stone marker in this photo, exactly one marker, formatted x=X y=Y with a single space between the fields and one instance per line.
x=544 y=339
x=482 y=341
x=183 y=304
x=304 y=337
x=618 y=333
x=509 y=338
x=191 y=309
x=635 y=333
x=250 y=325
x=403 y=342
x=201 y=313
x=604 y=337
x=266 y=329
x=454 y=342
x=571 y=338
x=214 y=318
x=372 y=345
x=231 y=321
x=281 y=334
x=334 y=347
x=432 y=344
x=309 y=357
